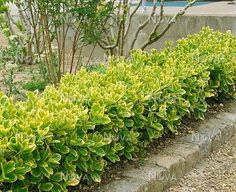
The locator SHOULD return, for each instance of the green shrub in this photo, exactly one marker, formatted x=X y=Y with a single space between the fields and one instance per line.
x=70 y=134
x=35 y=85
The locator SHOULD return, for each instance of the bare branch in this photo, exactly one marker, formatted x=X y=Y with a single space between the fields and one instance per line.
x=122 y=39
x=131 y=16
x=78 y=64
x=116 y=43
x=153 y=37
x=144 y=24
x=90 y=55
x=23 y=17
x=160 y=18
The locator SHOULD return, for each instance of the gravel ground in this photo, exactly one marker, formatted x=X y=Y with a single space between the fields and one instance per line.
x=215 y=174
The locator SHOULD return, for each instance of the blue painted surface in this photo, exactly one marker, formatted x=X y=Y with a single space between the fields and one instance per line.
x=178 y=3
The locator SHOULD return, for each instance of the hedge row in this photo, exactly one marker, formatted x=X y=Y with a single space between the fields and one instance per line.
x=69 y=134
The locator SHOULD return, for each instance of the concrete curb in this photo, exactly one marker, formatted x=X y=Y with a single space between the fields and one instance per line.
x=164 y=169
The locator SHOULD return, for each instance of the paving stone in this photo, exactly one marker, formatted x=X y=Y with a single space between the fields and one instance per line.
x=189 y=152
x=212 y=132
x=173 y=163
x=153 y=174
x=125 y=185
x=227 y=116
x=199 y=139
x=227 y=132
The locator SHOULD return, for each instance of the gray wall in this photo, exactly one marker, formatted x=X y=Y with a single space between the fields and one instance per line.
x=187 y=24
x=184 y=26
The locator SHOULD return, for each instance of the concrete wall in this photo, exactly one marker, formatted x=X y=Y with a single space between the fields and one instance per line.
x=186 y=25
